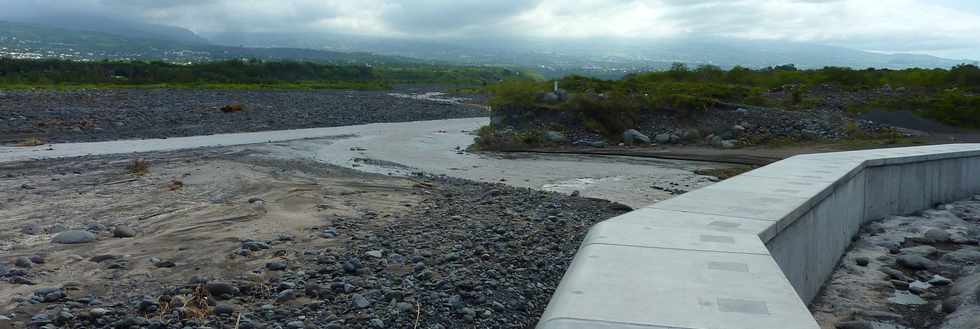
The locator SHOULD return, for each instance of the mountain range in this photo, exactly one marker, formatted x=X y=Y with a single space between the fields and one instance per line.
x=89 y=38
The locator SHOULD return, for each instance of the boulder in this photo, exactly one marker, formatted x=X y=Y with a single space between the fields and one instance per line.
x=632 y=136
x=915 y=262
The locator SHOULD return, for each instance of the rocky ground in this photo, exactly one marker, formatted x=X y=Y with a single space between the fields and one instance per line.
x=109 y=114
x=229 y=238
x=920 y=271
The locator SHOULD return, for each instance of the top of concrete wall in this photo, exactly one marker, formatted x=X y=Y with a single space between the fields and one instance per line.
x=699 y=260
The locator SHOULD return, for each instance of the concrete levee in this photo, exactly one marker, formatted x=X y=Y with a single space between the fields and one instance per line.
x=751 y=251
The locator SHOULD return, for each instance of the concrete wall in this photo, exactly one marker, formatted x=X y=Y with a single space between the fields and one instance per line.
x=751 y=251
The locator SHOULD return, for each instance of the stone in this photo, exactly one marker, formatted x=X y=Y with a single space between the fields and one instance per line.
x=632 y=136
x=221 y=289
x=895 y=274
x=862 y=261
x=95 y=228
x=898 y=284
x=939 y=280
x=915 y=262
x=276 y=266
x=854 y=325
x=32 y=229
x=662 y=138
x=23 y=262
x=404 y=307
x=728 y=144
x=98 y=312
x=962 y=257
x=554 y=137
x=254 y=245
x=224 y=309
x=937 y=236
x=295 y=325
x=358 y=301
x=122 y=231
x=374 y=253
x=164 y=264
x=37 y=259
x=377 y=323
x=73 y=237
x=924 y=251
x=286 y=295
x=951 y=304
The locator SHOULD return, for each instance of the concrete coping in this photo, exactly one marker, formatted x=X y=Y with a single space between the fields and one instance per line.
x=700 y=260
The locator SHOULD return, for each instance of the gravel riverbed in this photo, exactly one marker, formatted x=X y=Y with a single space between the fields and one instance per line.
x=920 y=271
x=109 y=114
x=231 y=238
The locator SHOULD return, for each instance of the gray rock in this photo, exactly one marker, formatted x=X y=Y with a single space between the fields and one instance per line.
x=727 y=144
x=222 y=288
x=915 y=262
x=377 y=323
x=554 y=136
x=296 y=325
x=254 y=245
x=632 y=136
x=662 y=138
x=73 y=237
x=939 y=280
x=122 y=231
x=599 y=144
x=98 y=312
x=895 y=274
x=937 y=236
x=224 y=309
x=862 y=261
x=358 y=301
x=95 y=228
x=404 y=307
x=276 y=266
x=374 y=253
x=924 y=251
x=951 y=304
x=37 y=259
x=854 y=325
x=962 y=257
x=286 y=295
x=32 y=229
x=23 y=262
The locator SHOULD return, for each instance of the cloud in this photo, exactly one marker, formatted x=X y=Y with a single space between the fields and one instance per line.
x=937 y=26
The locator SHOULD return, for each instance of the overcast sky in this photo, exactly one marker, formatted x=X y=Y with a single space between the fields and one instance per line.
x=949 y=28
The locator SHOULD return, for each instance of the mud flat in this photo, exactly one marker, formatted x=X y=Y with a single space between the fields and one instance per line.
x=234 y=238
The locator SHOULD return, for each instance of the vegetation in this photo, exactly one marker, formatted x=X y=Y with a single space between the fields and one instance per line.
x=950 y=96
x=233 y=74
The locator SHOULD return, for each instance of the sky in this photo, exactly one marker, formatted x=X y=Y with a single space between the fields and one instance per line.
x=947 y=28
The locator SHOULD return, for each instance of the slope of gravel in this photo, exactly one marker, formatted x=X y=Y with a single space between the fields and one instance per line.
x=108 y=114
x=248 y=242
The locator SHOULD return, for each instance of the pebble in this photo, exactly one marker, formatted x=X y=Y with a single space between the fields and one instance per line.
x=862 y=261
x=358 y=301
x=276 y=266
x=224 y=309
x=286 y=295
x=374 y=253
x=74 y=237
x=296 y=325
x=122 y=231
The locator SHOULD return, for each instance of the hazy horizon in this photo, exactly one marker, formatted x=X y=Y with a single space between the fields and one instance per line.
x=945 y=28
